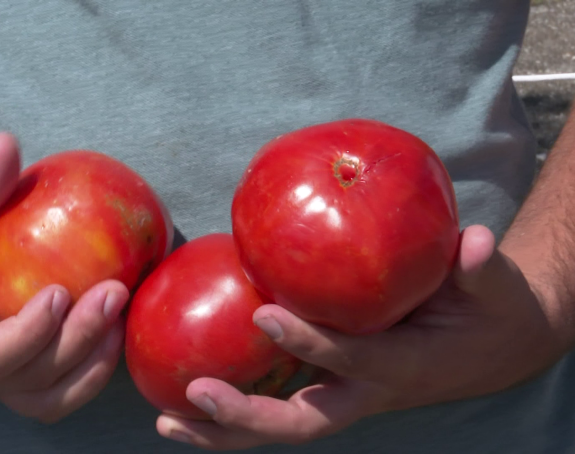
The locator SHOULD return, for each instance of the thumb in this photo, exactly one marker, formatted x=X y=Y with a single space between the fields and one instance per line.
x=476 y=250
x=9 y=166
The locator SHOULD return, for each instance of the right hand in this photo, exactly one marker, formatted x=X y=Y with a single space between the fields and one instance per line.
x=53 y=358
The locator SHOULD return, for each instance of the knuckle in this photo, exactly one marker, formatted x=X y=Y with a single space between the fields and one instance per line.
x=353 y=363
x=343 y=355
x=97 y=377
x=230 y=417
x=89 y=333
x=347 y=365
x=33 y=335
x=89 y=325
x=304 y=347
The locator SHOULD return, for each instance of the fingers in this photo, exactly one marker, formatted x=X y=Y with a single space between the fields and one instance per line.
x=397 y=357
x=77 y=388
x=349 y=356
x=245 y=421
x=86 y=324
x=51 y=368
x=25 y=335
x=9 y=166
x=476 y=249
x=206 y=435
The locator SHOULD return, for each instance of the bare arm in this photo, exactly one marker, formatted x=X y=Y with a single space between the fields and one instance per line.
x=541 y=240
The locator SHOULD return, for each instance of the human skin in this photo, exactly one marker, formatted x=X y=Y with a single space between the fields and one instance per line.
x=54 y=358
x=504 y=315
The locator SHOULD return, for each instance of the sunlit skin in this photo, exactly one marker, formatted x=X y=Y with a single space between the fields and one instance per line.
x=77 y=218
x=349 y=224
x=192 y=318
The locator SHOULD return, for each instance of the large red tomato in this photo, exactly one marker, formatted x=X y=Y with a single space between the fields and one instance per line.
x=76 y=218
x=349 y=224
x=192 y=318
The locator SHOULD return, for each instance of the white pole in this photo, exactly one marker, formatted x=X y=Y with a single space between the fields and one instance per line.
x=543 y=77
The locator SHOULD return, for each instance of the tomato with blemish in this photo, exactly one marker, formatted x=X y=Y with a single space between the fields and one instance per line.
x=76 y=218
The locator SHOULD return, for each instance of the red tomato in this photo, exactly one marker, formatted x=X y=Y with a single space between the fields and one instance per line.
x=349 y=224
x=77 y=218
x=192 y=318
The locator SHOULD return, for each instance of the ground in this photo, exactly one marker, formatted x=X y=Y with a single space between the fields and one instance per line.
x=549 y=47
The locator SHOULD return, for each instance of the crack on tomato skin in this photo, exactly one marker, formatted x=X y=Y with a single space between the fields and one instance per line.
x=369 y=167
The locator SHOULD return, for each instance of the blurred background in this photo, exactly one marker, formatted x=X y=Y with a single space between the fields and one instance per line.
x=549 y=48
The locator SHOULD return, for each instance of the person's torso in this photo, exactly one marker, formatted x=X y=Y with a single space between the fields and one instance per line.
x=185 y=92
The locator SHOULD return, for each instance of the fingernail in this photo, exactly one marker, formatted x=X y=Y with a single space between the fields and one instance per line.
x=204 y=403
x=270 y=326
x=178 y=435
x=59 y=304
x=113 y=305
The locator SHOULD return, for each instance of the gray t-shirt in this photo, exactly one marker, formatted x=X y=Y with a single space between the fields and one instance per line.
x=186 y=91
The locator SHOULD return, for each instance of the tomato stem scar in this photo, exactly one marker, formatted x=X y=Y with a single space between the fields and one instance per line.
x=346 y=171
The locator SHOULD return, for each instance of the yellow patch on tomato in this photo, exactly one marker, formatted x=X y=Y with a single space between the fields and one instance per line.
x=21 y=286
x=102 y=247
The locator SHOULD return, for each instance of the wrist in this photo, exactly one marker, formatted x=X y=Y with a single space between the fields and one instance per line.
x=541 y=240
x=547 y=277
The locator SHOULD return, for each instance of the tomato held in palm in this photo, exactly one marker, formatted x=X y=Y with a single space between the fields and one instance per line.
x=192 y=318
x=76 y=218
x=349 y=224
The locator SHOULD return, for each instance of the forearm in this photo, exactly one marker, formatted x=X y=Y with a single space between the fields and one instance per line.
x=541 y=239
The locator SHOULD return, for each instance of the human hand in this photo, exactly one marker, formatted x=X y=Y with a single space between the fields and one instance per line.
x=54 y=359
x=485 y=330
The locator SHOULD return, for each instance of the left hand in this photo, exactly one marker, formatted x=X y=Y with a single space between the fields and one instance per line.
x=485 y=330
